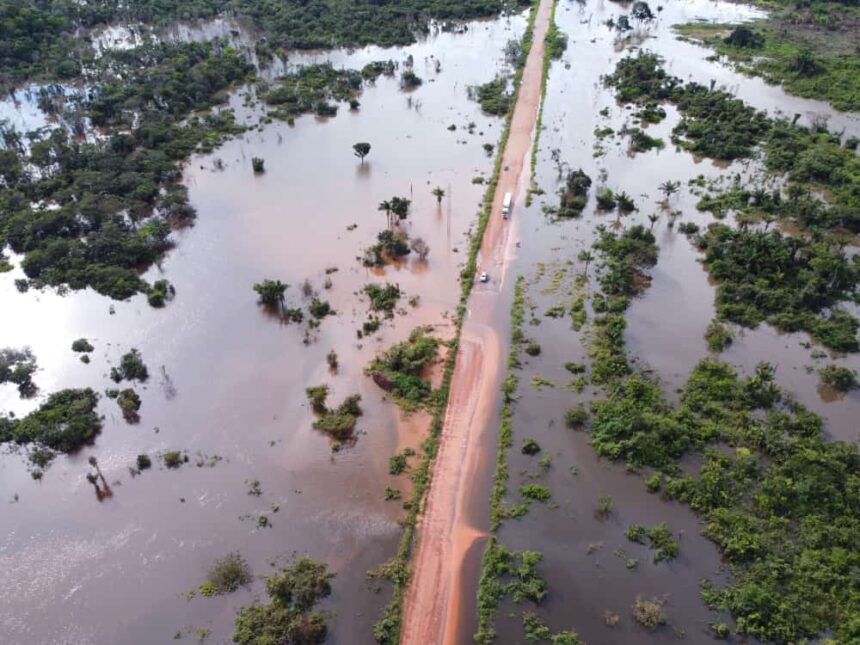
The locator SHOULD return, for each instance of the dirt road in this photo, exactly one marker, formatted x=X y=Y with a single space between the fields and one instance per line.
x=445 y=534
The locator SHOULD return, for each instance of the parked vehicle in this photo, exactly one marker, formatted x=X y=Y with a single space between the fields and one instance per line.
x=484 y=277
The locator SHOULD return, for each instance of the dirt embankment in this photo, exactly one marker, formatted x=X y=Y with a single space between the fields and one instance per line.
x=433 y=602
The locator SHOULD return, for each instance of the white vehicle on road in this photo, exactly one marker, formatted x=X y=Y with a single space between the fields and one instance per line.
x=484 y=277
x=506 y=205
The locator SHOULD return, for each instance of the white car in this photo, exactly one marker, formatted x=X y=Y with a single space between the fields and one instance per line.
x=484 y=277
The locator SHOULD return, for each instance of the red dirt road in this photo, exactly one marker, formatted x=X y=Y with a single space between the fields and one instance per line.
x=444 y=535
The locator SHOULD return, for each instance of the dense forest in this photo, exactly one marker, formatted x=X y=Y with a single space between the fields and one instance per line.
x=39 y=38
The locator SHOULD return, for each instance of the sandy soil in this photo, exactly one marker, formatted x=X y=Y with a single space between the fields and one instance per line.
x=445 y=535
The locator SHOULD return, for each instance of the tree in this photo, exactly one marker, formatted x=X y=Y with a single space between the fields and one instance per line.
x=361 y=150
x=386 y=206
x=641 y=11
x=421 y=248
x=400 y=207
x=438 y=193
x=669 y=188
x=290 y=617
x=585 y=256
x=653 y=217
x=259 y=165
x=271 y=292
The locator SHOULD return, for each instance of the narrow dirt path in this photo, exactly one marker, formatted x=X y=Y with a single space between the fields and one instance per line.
x=445 y=535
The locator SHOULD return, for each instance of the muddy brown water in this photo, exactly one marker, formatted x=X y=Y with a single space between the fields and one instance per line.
x=74 y=570
x=585 y=570
x=227 y=380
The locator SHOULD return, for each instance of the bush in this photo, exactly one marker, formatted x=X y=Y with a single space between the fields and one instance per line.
x=838 y=377
x=320 y=308
x=290 y=616
x=129 y=403
x=383 y=298
x=174 y=458
x=532 y=348
x=537 y=492
x=131 y=367
x=576 y=417
x=530 y=446
x=65 y=422
x=271 y=292
x=82 y=345
x=718 y=336
x=317 y=396
x=227 y=575
x=258 y=165
x=649 y=613
x=397 y=464
x=143 y=462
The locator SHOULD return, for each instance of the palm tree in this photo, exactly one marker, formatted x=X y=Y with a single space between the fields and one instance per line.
x=585 y=256
x=439 y=194
x=653 y=217
x=386 y=206
x=669 y=188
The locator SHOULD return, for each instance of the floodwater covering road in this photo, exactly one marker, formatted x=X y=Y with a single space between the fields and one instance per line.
x=446 y=533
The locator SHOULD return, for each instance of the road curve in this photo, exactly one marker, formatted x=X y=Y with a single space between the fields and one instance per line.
x=432 y=606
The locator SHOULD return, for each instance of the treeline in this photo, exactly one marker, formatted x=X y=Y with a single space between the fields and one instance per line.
x=39 y=37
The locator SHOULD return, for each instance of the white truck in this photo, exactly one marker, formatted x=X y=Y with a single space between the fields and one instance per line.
x=506 y=205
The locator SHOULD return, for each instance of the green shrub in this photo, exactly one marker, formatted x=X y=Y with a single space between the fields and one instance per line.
x=838 y=377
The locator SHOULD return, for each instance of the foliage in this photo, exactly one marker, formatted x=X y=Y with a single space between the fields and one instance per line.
x=718 y=336
x=574 y=197
x=143 y=462
x=94 y=213
x=65 y=422
x=319 y=308
x=537 y=492
x=649 y=613
x=131 y=367
x=227 y=575
x=338 y=422
x=289 y=617
x=400 y=368
x=383 y=298
x=640 y=141
x=713 y=123
x=790 y=282
x=505 y=573
x=555 y=41
x=493 y=96
x=361 y=150
x=838 y=377
x=82 y=345
x=173 y=459
x=271 y=292
x=129 y=402
x=809 y=51
x=18 y=366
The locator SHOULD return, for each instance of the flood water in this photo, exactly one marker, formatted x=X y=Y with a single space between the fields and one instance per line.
x=227 y=380
x=585 y=557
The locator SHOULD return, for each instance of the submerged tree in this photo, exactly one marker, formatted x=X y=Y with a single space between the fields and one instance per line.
x=259 y=165
x=438 y=193
x=361 y=150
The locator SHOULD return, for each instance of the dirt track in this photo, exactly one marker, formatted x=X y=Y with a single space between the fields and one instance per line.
x=445 y=535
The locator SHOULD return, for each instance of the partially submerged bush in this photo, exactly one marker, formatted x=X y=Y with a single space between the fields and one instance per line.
x=290 y=616
x=838 y=377
x=131 y=367
x=649 y=613
x=227 y=575
x=82 y=345
x=530 y=446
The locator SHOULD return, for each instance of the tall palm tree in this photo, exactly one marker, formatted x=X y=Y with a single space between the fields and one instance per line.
x=439 y=194
x=386 y=206
x=585 y=256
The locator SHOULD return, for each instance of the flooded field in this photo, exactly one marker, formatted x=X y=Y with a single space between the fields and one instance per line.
x=592 y=584
x=227 y=380
x=228 y=376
